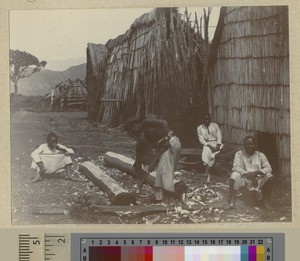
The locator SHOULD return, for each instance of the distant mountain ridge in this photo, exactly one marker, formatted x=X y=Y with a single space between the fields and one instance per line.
x=62 y=65
x=40 y=83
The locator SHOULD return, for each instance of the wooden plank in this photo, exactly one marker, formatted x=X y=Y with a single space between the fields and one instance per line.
x=191 y=152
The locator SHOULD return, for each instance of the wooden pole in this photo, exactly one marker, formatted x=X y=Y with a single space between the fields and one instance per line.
x=116 y=194
x=116 y=210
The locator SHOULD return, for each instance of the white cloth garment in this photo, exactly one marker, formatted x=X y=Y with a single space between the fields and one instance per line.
x=243 y=163
x=54 y=160
x=210 y=135
x=165 y=170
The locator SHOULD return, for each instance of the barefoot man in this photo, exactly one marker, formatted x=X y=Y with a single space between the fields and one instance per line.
x=152 y=133
x=51 y=157
x=210 y=137
x=252 y=170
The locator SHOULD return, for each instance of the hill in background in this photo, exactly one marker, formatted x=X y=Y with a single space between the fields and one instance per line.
x=40 y=83
x=62 y=65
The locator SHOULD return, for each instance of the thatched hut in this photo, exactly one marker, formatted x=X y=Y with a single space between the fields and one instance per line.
x=250 y=73
x=69 y=94
x=96 y=57
x=153 y=68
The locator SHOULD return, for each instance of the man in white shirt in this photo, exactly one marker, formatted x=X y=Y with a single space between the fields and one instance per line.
x=251 y=170
x=210 y=137
x=152 y=132
x=51 y=157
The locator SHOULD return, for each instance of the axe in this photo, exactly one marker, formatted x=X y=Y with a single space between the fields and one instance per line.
x=152 y=165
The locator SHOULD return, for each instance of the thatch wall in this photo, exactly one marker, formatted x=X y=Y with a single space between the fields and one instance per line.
x=250 y=92
x=96 y=58
x=152 y=68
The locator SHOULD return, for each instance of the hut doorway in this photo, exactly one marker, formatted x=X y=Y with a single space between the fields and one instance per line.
x=266 y=143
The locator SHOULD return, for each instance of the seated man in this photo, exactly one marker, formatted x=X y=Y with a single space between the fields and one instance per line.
x=50 y=158
x=251 y=170
x=210 y=137
x=152 y=133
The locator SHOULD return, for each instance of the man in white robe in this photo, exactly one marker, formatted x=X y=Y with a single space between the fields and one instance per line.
x=152 y=133
x=51 y=157
x=251 y=170
x=210 y=137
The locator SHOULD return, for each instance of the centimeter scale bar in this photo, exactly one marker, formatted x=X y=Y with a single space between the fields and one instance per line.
x=28 y=246
x=57 y=247
x=44 y=247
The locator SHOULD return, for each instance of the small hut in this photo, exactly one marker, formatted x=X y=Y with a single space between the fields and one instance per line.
x=155 y=67
x=250 y=72
x=70 y=94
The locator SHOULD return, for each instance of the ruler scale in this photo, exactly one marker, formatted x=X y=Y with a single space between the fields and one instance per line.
x=44 y=247
x=57 y=247
x=30 y=247
x=151 y=246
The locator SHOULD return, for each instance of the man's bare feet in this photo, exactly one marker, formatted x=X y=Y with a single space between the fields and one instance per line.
x=37 y=179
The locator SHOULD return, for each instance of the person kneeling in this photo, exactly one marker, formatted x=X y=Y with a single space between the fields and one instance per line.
x=50 y=158
x=251 y=170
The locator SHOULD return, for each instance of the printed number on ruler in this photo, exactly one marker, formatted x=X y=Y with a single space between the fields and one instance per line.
x=31 y=247
x=48 y=247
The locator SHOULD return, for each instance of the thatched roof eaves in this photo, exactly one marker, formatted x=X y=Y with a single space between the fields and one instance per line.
x=146 y=19
x=97 y=52
x=217 y=36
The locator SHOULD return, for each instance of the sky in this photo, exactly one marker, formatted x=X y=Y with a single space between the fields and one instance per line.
x=64 y=34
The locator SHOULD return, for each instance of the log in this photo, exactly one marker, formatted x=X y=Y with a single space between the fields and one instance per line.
x=146 y=210
x=116 y=194
x=125 y=164
x=115 y=210
x=49 y=209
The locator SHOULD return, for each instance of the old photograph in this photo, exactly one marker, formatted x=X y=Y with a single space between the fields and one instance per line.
x=174 y=115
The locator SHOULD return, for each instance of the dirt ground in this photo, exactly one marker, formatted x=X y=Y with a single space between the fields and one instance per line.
x=42 y=202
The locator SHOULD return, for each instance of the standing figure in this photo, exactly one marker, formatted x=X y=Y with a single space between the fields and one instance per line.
x=51 y=157
x=210 y=137
x=52 y=93
x=251 y=170
x=157 y=147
